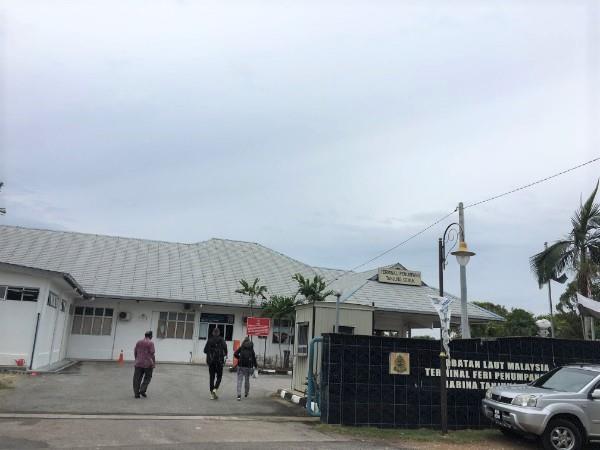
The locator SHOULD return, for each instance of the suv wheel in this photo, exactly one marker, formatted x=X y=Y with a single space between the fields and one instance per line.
x=562 y=434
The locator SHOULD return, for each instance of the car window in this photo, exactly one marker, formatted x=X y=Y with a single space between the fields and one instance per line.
x=566 y=379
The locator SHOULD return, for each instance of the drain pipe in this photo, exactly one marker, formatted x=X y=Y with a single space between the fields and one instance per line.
x=310 y=388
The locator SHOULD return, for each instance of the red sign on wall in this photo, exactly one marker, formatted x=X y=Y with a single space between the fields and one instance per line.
x=258 y=326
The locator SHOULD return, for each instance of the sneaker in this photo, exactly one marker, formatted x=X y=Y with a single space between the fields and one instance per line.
x=143 y=394
x=246 y=394
x=213 y=396
x=239 y=397
x=216 y=393
x=136 y=396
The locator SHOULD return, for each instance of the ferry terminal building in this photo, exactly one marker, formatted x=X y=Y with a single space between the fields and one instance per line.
x=75 y=296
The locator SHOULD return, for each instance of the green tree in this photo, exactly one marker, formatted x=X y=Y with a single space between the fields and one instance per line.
x=520 y=322
x=280 y=308
x=252 y=291
x=578 y=252
x=490 y=328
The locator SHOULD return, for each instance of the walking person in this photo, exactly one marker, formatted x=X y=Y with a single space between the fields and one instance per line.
x=144 y=365
x=216 y=355
x=246 y=366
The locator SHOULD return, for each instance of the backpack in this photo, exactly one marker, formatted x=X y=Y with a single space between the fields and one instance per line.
x=246 y=357
x=216 y=352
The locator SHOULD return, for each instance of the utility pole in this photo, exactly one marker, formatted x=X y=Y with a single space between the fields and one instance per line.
x=465 y=330
x=550 y=300
x=2 y=210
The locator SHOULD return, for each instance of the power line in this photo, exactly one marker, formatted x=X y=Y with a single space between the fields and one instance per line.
x=495 y=197
x=393 y=248
x=533 y=184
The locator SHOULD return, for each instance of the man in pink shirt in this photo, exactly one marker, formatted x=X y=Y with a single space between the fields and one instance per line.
x=144 y=364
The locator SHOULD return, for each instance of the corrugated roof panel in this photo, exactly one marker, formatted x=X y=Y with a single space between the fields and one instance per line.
x=204 y=272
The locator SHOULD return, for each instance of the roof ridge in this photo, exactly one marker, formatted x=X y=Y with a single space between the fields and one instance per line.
x=114 y=236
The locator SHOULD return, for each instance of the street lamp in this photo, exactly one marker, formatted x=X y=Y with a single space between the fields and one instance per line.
x=463 y=254
x=452 y=234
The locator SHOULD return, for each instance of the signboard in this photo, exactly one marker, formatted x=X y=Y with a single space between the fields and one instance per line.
x=217 y=318
x=399 y=276
x=258 y=326
x=399 y=363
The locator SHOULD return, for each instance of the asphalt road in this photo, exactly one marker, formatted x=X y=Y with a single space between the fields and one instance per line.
x=213 y=432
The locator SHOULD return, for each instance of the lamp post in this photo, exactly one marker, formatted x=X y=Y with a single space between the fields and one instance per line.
x=337 y=294
x=451 y=234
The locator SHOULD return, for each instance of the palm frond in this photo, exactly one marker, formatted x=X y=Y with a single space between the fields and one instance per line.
x=552 y=261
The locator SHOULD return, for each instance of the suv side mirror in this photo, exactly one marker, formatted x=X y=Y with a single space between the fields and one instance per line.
x=595 y=394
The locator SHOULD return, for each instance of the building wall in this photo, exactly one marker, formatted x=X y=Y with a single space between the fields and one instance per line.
x=144 y=317
x=18 y=321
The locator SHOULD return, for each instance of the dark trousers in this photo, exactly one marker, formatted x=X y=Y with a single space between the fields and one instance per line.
x=215 y=371
x=141 y=379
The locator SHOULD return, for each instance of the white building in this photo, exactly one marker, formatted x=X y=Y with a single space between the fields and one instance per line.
x=66 y=295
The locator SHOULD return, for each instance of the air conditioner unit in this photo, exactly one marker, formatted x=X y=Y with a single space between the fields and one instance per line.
x=124 y=316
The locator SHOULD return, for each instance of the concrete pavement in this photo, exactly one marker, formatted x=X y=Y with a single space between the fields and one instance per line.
x=106 y=388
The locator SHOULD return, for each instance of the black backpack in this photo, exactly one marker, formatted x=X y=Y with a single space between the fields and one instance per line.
x=216 y=353
x=246 y=357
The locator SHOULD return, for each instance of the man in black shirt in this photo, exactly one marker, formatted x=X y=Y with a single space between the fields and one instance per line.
x=216 y=355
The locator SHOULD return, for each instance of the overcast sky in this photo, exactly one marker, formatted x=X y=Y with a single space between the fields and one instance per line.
x=329 y=131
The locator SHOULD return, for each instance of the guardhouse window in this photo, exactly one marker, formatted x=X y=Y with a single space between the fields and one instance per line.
x=174 y=325
x=303 y=338
x=92 y=321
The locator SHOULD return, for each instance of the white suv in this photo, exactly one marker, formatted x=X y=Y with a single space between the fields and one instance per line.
x=562 y=407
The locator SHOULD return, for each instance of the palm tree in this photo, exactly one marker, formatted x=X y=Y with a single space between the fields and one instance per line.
x=578 y=252
x=313 y=291
x=280 y=308
x=253 y=291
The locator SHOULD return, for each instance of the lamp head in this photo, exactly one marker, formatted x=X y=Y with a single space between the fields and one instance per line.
x=463 y=254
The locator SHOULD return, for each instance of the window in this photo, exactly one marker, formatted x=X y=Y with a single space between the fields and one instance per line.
x=345 y=330
x=52 y=299
x=174 y=325
x=92 y=321
x=283 y=327
x=303 y=338
x=19 y=294
x=63 y=306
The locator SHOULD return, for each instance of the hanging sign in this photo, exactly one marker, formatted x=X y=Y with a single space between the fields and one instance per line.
x=258 y=326
x=399 y=276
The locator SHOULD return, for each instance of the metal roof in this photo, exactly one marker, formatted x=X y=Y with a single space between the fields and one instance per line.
x=109 y=266
x=364 y=288
x=204 y=272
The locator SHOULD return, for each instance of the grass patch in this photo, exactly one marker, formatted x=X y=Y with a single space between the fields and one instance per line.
x=419 y=435
x=7 y=381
